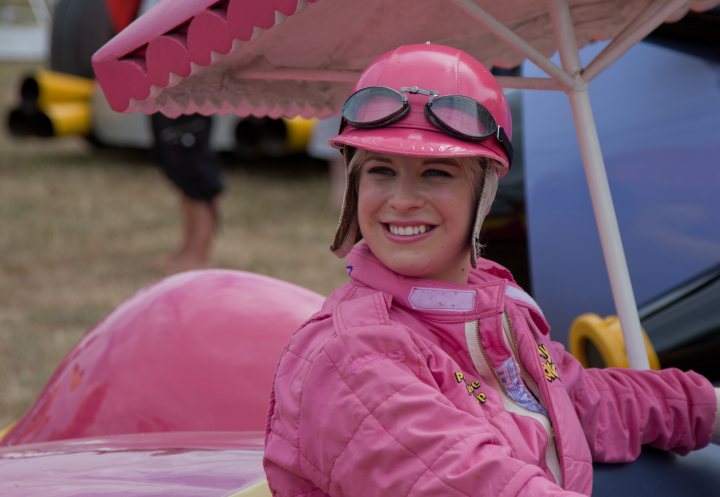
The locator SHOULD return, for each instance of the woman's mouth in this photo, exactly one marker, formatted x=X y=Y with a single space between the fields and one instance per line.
x=415 y=230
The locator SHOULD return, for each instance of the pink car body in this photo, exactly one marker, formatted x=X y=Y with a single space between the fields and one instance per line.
x=180 y=370
x=196 y=351
x=198 y=464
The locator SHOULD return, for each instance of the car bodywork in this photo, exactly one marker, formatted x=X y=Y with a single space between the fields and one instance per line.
x=201 y=464
x=193 y=352
x=167 y=395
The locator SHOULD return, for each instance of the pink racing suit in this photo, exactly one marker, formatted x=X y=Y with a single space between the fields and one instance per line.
x=406 y=387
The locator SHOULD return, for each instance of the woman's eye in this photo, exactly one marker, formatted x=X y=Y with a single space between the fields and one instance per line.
x=383 y=170
x=437 y=173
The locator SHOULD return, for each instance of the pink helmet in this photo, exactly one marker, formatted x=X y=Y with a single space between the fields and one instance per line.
x=447 y=71
x=420 y=73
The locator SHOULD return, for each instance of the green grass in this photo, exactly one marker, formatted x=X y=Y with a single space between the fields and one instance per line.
x=80 y=230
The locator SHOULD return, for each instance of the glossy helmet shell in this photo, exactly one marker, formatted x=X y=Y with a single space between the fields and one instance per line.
x=431 y=67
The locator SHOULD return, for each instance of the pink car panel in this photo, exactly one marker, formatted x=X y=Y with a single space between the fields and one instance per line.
x=200 y=464
x=196 y=351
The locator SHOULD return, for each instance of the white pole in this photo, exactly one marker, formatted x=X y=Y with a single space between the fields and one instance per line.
x=599 y=189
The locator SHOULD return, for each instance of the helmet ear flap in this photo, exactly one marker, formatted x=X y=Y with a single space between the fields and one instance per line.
x=487 y=196
x=348 y=230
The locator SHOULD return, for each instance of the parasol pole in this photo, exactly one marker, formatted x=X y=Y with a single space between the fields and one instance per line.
x=569 y=77
x=599 y=188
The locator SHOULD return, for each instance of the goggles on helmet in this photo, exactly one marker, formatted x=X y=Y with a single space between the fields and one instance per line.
x=456 y=115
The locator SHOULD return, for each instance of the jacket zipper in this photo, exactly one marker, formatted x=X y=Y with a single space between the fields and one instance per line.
x=487 y=372
x=551 y=451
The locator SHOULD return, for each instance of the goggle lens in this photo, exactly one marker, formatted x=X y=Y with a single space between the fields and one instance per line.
x=463 y=115
x=372 y=106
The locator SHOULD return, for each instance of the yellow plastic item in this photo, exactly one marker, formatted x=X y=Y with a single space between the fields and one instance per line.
x=69 y=118
x=259 y=489
x=54 y=87
x=606 y=336
x=299 y=131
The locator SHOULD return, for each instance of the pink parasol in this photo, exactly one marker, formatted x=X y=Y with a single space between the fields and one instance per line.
x=290 y=57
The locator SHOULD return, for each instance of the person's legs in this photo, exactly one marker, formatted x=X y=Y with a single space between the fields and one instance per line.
x=183 y=150
x=199 y=226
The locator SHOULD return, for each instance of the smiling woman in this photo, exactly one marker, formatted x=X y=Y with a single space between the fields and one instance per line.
x=413 y=211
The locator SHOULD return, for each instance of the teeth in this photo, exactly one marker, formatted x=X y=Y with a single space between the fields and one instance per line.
x=407 y=230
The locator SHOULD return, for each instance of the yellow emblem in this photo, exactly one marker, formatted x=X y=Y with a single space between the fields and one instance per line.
x=471 y=387
x=551 y=373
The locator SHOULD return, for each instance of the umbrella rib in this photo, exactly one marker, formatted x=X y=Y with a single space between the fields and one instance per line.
x=515 y=41
x=525 y=83
x=298 y=75
x=637 y=29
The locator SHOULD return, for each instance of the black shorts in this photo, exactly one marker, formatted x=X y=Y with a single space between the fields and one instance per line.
x=182 y=147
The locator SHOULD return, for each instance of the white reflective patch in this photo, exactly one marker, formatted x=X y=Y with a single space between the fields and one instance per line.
x=438 y=299
x=518 y=294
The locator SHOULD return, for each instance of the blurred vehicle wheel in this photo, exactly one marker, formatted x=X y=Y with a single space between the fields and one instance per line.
x=79 y=28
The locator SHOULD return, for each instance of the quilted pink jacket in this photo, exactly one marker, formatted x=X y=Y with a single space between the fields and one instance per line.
x=405 y=387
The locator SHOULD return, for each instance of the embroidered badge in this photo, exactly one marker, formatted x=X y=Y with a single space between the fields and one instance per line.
x=471 y=387
x=549 y=367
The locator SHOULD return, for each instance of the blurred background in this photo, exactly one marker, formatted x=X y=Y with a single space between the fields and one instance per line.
x=83 y=222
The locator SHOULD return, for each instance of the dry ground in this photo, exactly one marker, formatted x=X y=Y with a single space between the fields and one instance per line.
x=80 y=229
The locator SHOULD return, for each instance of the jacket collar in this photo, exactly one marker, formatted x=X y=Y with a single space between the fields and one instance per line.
x=483 y=295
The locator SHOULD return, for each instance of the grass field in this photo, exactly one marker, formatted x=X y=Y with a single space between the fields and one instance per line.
x=80 y=230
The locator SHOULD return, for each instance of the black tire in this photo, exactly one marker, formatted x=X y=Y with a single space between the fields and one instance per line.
x=79 y=28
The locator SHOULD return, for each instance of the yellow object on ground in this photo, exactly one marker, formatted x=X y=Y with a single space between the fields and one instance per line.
x=53 y=104
x=55 y=87
x=68 y=118
x=592 y=335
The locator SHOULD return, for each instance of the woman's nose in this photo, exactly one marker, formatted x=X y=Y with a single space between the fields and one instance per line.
x=406 y=195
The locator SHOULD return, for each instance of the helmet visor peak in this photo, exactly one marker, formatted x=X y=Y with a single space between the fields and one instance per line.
x=455 y=115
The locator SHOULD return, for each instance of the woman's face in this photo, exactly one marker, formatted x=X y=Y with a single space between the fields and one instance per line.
x=415 y=213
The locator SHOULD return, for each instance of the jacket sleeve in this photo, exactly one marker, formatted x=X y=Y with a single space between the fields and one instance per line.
x=622 y=409
x=374 y=423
